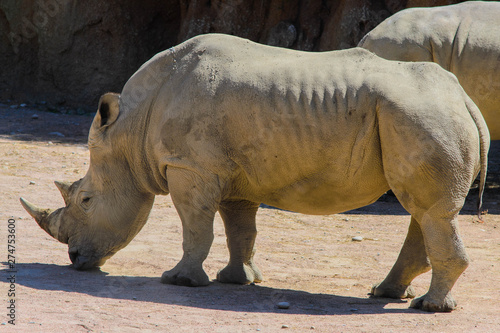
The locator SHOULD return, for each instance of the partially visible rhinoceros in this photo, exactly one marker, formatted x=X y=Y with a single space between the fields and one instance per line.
x=224 y=124
x=464 y=39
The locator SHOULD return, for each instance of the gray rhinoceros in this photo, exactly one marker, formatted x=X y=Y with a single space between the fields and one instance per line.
x=223 y=124
x=464 y=39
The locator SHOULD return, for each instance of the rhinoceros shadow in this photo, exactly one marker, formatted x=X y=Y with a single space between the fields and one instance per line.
x=217 y=296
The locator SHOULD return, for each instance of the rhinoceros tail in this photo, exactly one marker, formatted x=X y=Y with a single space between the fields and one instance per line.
x=362 y=41
x=484 y=139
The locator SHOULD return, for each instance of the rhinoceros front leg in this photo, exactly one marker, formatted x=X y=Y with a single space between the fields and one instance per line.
x=412 y=261
x=196 y=201
x=239 y=222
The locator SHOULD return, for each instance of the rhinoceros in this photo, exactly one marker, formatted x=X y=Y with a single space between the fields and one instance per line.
x=464 y=39
x=224 y=124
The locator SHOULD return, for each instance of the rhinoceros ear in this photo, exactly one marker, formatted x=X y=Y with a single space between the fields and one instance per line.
x=108 y=109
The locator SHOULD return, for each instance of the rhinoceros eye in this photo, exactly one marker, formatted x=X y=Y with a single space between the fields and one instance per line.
x=86 y=200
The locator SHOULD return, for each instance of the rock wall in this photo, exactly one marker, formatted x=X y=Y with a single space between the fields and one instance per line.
x=68 y=52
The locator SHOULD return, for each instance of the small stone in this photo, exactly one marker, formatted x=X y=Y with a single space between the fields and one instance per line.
x=32 y=183
x=357 y=239
x=23 y=105
x=35 y=116
x=56 y=134
x=134 y=297
x=283 y=305
x=312 y=327
x=284 y=326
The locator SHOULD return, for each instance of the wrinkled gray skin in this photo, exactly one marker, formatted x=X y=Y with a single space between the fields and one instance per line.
x=224 y=124
x=463 y=39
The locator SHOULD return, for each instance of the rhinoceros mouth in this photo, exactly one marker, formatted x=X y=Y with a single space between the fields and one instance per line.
x=82 y=262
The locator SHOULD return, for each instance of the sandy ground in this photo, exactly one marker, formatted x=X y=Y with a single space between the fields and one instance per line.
x=309 y=261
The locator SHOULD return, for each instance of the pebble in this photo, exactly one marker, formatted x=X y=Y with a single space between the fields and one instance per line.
x=32 y=183
x=357 y=239
x=284 y=326
x=35 y=116
x=56 y=134
x=283 y=305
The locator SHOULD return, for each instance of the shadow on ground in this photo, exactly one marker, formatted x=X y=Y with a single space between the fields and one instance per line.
x=217 y=296
x=31 y=125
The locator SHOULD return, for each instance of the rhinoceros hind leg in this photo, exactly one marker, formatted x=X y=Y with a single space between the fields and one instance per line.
x=412 y=261
x=448 y=259
x=239 y=222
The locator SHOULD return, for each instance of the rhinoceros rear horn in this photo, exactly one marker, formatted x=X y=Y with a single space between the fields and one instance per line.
x=64 y=189
x=47 y=219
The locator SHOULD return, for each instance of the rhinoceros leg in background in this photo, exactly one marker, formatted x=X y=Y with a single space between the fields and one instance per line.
x=196 y=198
x=239 y=222
x=412 y=261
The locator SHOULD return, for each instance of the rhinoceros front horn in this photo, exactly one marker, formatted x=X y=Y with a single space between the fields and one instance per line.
x=48 y=219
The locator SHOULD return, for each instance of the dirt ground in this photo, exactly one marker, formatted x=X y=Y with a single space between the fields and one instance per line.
x=309 y=261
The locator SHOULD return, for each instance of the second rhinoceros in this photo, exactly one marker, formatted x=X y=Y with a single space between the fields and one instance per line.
x=224 y=124
x=463 y=38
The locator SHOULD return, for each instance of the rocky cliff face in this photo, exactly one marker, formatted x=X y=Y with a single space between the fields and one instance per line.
x=69 y=52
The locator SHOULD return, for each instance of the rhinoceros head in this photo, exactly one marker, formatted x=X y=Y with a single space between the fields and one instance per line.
x=105 y=209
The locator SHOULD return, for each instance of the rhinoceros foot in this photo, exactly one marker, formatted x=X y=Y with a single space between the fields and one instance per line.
x=185 y=276
x=430 y=304
x=391 y=291
x=240 y=274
